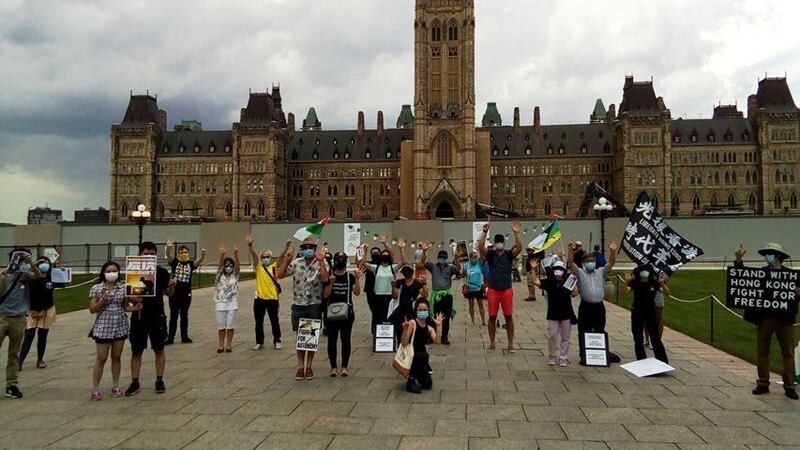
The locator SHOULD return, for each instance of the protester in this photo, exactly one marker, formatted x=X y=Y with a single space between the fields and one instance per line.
x=341 y=289
x=107 y=299
x=406 y=291
x=599 y=256
x=560 y=314
x=591 y=285
x=441 y=296
x=474 y=285
x=659 y=302
x=150 y=322
x=500 y=292
x=419 y=332
x=531 y=273
x=181 y=300
x=369 y=283
x=14 y=307
x=516 y=272
x=268 y=292
x=384 y=276
x=42 y=313
x=420 y=273
x=307 y=280
x=767 y=322
x=644 y=285
x=226 y=297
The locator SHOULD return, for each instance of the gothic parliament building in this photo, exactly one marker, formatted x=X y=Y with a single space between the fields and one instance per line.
x=435 y=162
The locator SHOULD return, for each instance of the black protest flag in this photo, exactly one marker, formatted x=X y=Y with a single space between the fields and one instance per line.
x=650 y=241
x=483 y=211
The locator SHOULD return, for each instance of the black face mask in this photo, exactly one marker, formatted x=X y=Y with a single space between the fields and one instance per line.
x=386 y=259
x=376 y=258
x=408 y=273
x=340 y=265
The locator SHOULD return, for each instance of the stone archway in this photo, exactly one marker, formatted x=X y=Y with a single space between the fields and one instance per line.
x=445 y=206
x=445 y=210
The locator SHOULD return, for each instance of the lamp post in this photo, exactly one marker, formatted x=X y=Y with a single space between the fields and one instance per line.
x=140 y=216
x=603 y=207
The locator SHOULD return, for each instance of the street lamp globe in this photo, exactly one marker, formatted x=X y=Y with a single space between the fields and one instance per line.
x=141 y=208
x=602 y=201
x=136 y=214
x=146 y=214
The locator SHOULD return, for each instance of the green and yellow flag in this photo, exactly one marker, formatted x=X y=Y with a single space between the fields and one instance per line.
x=549 y=236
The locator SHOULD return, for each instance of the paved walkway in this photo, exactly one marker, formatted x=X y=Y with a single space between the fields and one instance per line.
x=479 y=400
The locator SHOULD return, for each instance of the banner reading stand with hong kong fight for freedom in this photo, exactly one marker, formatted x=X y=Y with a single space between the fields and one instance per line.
x=650 y=241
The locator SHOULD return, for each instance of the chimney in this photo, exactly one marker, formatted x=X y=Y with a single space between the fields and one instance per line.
x=611 y=114
x=361 y=123
x=290 y=122
x=661 y=105
x=380 y=123
x=516 y=118
x=537 y=120
x=242 y=114
x=752 y=107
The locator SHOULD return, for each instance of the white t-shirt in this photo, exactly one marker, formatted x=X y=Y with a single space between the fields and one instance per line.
x=226 y=292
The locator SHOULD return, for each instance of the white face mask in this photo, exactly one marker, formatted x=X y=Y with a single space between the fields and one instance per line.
x=499 y=245
x=111 y=276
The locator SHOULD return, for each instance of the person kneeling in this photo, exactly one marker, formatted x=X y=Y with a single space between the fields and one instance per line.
x=420 y=331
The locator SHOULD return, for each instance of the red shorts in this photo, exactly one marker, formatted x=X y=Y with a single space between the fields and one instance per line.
x=500 y=299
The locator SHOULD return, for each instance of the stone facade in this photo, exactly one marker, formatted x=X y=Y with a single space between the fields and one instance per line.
x=436 y=163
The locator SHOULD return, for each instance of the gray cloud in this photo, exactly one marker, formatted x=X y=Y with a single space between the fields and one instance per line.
x=67 y=71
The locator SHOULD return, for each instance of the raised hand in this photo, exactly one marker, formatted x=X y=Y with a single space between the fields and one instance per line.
x=288 y=244
x=662 y=280
x=222 y=249
x=249 y=239
x=320 y=255
x=613 y=246
x=425 y=245
x=534 y=263
x=516 y=227
x=740 y=252
x=438 y=319
x=235 y=251
x=383 y=239
x=628 y=276
x=401 y=243
x=202 y=251
x=487 y=225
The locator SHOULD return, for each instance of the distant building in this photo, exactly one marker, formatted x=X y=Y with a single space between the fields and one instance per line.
x=39 y=216
x=88 y=215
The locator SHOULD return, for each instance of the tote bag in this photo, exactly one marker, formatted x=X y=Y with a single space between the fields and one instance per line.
x=404 y=357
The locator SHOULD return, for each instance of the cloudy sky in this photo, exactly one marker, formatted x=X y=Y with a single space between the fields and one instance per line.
x=67 y=67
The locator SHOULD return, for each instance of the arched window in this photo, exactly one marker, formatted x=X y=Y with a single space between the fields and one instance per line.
x=565 y=209
x=436 y=32
x=349 y=211
x=452 y=31
x=714 y=200
x=161 y=210
x=793 y=201
x=675 y=206
x=777 y=176
x=695 y=203
x=747 y=178
x=296 y=212
x=124 y=209
x=179 y=209
x=727 y=177
x=195 y=209
x=443 y=146
x=751 y=201
x=547 y=209
x=731 y=201
x=332 y=212
x=384 y=211
x=755 y=177
x=777 y=201
x=314 y=212
x=262 y=208
x=228 y=209
x=247 y=208
x=210 y=209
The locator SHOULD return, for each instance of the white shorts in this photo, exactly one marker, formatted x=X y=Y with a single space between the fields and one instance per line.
x=226 y=319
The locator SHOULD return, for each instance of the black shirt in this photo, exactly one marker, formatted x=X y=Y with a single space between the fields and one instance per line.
x=407 y=297
x=421 y=338
x=644 y=293
x=155 y=305
x=499 y=269
x=342 y=288
x=41 y=293
x=559 y=299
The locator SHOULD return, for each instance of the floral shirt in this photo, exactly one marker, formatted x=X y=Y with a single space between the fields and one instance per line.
x=226 y=292
x=305 y=281
x=111 y=321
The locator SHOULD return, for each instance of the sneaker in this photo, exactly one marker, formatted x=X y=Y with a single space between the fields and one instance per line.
x=13 y=392
x=96 y=396
x=760 y=389
x=169 y=341
x=116 y=392
x=551 y=362
x=133 y=389
x=160 y=387
x=562 y=363
x=257 y=347
x=309 y=374
x=187 y=341
x=299 y=374
x=278 y=346
x=791 y=393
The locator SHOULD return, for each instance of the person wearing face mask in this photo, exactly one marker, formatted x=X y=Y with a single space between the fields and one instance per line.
x=406 y=291
x=441 y=297
x=767 y=322
x=14 y=306
x=226 y=297
x=42 y=315
x=420 y=273
x=341 y=289
x=180 y=302
x=108 y=301
x=369 y=281
x=644 y=285
x=559 y=311
x=419 y=332
x=268 y=290
x=500 y=293
x=384 y=273
x=473 y=285
x=591 y=285
x=308 y=278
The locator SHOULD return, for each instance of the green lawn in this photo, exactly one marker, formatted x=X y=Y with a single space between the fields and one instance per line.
x=731 y=334
x=78 y=298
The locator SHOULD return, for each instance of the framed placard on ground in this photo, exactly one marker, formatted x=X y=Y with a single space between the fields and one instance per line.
x=384 y=338
x=308 y=331
x=595 y=349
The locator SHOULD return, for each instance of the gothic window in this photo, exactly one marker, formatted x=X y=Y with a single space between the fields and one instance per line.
x=495 y=151
x=210 y=209
x=452 y=31
x=332 y=212
x=436 y=32
x=731 y=201
x=314 y=212
x=443 y=146
x=654 y=199
x=315 y=155
x=247 y=209
x=228 y=209
x=676 y=205
x=161 y=210
x=747 y=177
x=695 y=203
x=336 y=154
x=384 y=211
x=124 y=209
x=506 y=150
x=195 y=209
x=452 y=52
x=494 y=187
x=388 y=153
x=179 y=209
x=296 y=212
x=714 y=201
x=349 y=211
x=777 y=201
x=547 y=209
x=528 y=150
x=751 y=201
x=367 y=154
x=565 y=209
x=262 y=208
x=561 y=149
x=793 y=201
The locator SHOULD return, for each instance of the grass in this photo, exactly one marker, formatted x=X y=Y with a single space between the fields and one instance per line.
x=731 y=334
x=76 y=299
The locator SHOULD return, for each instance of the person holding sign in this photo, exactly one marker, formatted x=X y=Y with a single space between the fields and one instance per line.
x=559 y=310
x=644 y=285
x=419 y=332
x=307 y=280
x=769 y=322
x=500 y=292
x=43 y=313
x=181 y=300
x=150 y=322
x=591 y=285
x=338 y=303
x=226 y=297
x=441 y=296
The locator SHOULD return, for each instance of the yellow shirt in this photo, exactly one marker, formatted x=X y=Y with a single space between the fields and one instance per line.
x=265 y=287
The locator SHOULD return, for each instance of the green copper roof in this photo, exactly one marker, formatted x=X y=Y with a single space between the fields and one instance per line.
x=311 y=120
x=406 y=117
x=192 y=125
x=599 y=109
x=492 y=116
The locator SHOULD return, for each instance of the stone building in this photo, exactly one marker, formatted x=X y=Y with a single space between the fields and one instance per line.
x=435 y=161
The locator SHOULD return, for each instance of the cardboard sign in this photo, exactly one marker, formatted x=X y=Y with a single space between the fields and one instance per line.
x=61 y=275
x=647 y=367
x=352 y=238
x=384 y=338
x=51 y=254
x=768 y=289
x=477 y=230
x=140 y=275
x=308 y=331
x=595 y=349
x=461 y=246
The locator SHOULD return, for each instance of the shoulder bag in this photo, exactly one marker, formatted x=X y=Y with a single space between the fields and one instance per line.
x=340 y=311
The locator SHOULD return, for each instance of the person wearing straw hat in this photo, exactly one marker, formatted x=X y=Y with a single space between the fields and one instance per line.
x=779 y=323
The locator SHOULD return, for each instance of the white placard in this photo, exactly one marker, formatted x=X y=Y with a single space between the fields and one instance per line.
x=352 y=238
x=477 y=230
x=51 y=254
x=61 y=275
x=594 y=340
x=647 y=367
x=570 y=283
x=384 y=330
x=384 y=345
x=596 y=357
x=308 y=331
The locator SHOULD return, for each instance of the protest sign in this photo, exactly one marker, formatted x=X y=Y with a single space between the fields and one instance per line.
x=649 y=241
x=384 y=338
x=352 y=238
x=595 y=349
x=140 y=275
x=647 y=367
x=769 y=289
x=477 y=230
x=308 y=331
x=62 y=275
